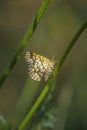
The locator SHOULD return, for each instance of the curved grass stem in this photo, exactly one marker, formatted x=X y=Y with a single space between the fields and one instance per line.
x=23 y=44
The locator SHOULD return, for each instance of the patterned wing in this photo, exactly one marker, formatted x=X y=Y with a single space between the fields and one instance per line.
x=38 y=66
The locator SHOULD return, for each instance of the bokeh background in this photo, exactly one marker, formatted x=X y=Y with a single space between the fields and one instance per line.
x=59 y=24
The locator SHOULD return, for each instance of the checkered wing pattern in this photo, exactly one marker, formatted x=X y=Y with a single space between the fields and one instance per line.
x=38 y=66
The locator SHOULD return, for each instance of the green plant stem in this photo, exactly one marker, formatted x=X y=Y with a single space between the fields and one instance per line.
x=23 y=44
x=50 y=82
x=70 y=45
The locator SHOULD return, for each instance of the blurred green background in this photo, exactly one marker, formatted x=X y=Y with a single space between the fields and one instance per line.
x=59 y=24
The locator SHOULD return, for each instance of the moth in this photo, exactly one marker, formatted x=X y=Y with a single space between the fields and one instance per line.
x=38 y=66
